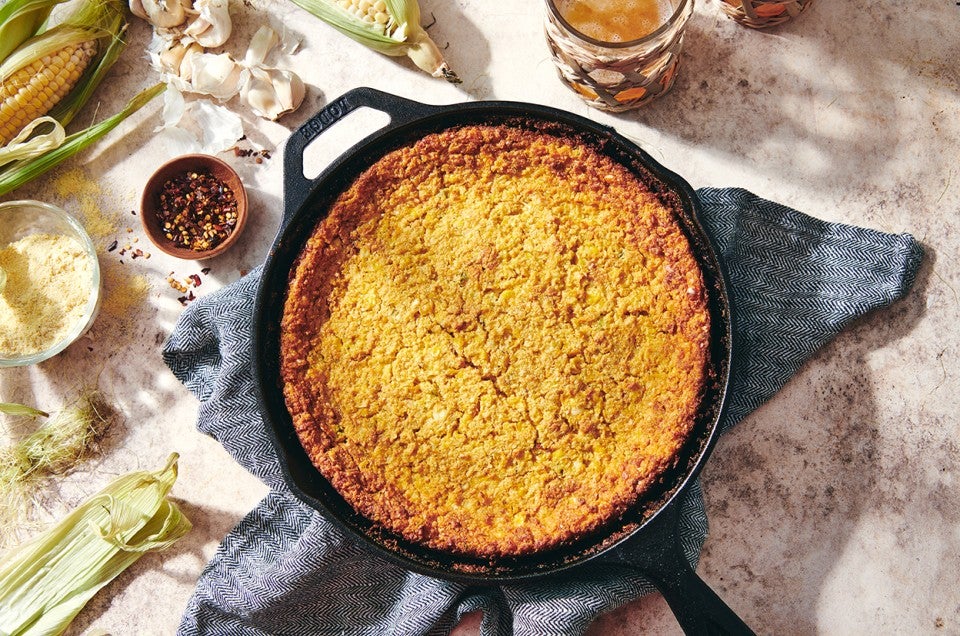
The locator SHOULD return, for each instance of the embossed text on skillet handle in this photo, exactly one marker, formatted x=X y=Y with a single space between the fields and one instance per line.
x=297 y=187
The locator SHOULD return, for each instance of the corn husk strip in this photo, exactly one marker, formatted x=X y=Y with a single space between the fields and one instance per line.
x=21 y=409
x=19 y=172
x=27 y=145
x=20 y=20
x=45 y=583
x=406 y=37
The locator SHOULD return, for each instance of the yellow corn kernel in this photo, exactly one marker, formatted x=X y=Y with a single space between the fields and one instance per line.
x=35 y=89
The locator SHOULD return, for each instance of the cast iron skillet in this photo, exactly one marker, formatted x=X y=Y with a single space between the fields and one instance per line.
x=653 y=522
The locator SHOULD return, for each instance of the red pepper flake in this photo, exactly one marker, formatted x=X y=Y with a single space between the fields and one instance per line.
x=205 y=271
x=197 y=210
x=195 y=279
x=112 y=247
x=258 y=155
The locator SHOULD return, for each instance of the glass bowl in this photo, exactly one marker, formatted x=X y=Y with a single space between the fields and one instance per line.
x=19 y=219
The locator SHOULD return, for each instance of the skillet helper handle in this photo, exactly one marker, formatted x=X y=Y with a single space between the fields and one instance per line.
x=296 y=187
x=697 y=608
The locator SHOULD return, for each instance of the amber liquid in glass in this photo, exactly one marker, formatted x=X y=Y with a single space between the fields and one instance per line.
x=615 y=20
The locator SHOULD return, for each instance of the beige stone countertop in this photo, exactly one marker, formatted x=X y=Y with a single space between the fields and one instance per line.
x=833 y=508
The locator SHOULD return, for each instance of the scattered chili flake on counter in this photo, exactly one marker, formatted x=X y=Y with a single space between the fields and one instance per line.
x=197 y=210
x=185 y=286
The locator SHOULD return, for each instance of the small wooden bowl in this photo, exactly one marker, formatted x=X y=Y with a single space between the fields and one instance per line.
x=150 y=203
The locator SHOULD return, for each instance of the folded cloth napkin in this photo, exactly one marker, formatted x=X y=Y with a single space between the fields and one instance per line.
x=796 y=282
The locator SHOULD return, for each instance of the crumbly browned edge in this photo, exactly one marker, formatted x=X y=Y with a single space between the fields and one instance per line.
x=495 y=342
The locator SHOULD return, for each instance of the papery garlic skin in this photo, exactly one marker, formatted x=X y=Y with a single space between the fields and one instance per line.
x=217 y=75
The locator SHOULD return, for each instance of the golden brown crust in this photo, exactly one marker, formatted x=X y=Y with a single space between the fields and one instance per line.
x=495 y=342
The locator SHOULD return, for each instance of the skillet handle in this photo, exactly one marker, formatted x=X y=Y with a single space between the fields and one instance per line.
x=697 y=608
x=296 y=187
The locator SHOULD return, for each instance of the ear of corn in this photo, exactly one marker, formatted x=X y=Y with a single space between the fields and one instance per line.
x=391 y=27
x=20 y=20
x=36 y=88
x=53 y=74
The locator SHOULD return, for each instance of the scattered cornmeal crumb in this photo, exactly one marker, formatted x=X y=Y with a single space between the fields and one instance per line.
x=88 y=194
x=123 y=292
x=48 y=285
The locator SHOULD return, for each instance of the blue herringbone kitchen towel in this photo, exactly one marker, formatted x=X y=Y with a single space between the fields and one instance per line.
x=796 y=282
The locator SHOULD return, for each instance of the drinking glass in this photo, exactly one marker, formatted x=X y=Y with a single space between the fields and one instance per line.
x=760 y=14
x=618 y=76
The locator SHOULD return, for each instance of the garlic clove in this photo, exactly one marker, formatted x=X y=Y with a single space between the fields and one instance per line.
x=175 y=58
x=185 y=70
x=136 y=8
x=271 y=92
x=212 y=26
x=261 y=44
x=163 y=13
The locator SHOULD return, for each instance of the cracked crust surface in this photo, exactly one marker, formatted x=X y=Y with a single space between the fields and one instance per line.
x=495 y=342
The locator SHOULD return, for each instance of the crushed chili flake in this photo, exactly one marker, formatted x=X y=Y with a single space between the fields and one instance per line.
x=185 y=285
x=258 y=155
x=112 y=247
x=197 y=211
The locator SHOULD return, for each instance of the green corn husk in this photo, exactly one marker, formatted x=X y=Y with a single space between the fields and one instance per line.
x=102 y=20
x=17 y=173
x=11 y=408
x=45 y=583
x=20 y=20
x=402 y=35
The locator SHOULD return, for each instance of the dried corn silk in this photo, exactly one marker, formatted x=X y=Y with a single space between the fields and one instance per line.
x=48 y=285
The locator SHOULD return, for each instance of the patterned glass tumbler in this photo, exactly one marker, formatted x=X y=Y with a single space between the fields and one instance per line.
x=760 y=14
x=618 y=76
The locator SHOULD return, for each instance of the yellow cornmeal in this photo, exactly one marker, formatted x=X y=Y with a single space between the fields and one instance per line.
x=48 y=286
x=75 y=183
x=495 y=342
